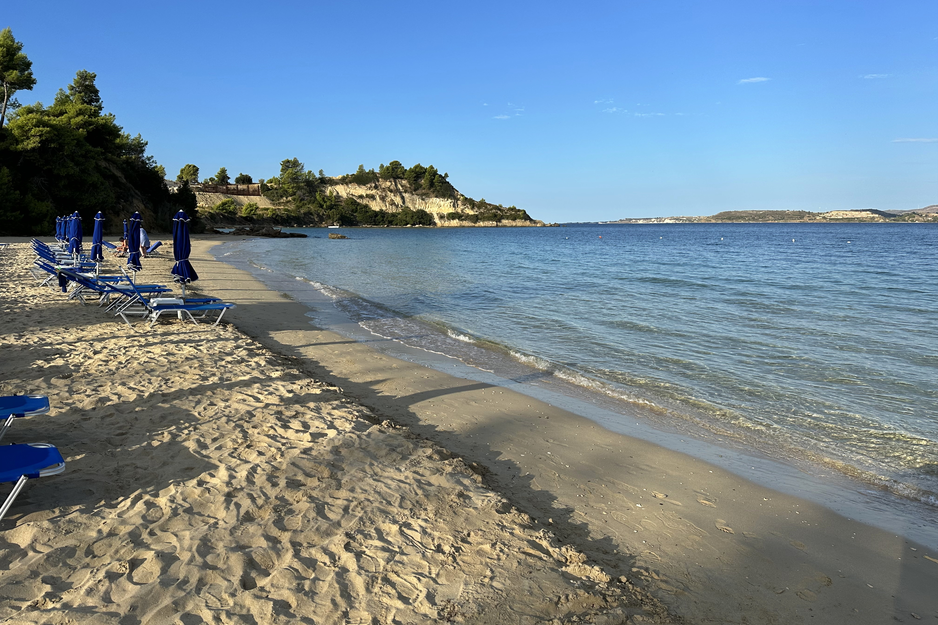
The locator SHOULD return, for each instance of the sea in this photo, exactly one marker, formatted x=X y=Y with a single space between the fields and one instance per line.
x=801 y=356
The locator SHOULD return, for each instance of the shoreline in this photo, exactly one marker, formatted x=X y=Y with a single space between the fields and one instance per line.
x=713 y=547
x=604 y=495
x=853 y=491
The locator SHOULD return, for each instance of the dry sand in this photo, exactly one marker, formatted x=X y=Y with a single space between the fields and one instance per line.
x=266 y=471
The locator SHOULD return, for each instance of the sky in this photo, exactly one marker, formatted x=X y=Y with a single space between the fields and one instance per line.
x=591 y=111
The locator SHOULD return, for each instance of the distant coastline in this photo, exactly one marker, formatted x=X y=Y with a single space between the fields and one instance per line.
x=928 y=214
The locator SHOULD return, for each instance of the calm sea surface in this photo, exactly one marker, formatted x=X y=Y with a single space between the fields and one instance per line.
x=814 y=345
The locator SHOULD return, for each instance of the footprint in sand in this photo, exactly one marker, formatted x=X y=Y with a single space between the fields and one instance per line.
x=723 y=527
x=819 y=581
x=146 y=572
x=706 y=502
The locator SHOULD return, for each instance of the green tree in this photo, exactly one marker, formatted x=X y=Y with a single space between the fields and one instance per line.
x=393 y=171
x=189 y=172
x=84 y=91
x=15 y=72
x=70 y=157
x=415 y=175
x=295 y=182
x=243 y=179
x=429 y=178
x=185 y=198
x=161 y=171
x=222 y=176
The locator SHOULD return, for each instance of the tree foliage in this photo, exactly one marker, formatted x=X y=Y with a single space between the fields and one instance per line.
x=71 y=156
x=393 y=171
x=243 y=179
x=222 y=176
x=15 y=72
x=189 y=173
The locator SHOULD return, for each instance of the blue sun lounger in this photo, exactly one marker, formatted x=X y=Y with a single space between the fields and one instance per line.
x=14 y=406
x=153 y=307
x=114 y=291
x=19 y=463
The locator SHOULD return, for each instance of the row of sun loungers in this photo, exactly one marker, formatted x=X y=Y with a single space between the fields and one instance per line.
x=79 y=277
x=119 y=294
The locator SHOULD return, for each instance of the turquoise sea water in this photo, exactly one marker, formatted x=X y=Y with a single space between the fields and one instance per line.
x=815 y=345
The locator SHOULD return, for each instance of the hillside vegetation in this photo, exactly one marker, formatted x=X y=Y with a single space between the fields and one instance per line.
x=71 y=156
x=391 y=196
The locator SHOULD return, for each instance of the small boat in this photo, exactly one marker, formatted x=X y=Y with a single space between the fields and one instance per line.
x=332 y=226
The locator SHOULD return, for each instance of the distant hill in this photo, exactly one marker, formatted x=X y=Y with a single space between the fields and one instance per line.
x=871 y=215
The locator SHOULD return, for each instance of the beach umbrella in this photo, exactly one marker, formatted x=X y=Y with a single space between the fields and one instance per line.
x=125 y=231
x=97 y=238
x=182 y=270
x=133 y=242
x=74 y=237
x=58 y=228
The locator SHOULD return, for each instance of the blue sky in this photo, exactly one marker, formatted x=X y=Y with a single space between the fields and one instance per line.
x=574 y=112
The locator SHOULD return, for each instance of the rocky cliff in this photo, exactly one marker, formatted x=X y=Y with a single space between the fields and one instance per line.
x=387 y=195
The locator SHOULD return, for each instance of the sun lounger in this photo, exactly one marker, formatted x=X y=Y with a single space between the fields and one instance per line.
x=113 y=291
x=14 y=406
x=19 y=463
x=153 y=307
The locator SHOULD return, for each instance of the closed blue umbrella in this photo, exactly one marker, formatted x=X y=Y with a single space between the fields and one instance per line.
x=133 y=242
x=97 y=238
x=58 y=228
x=181 y=249
x=74 y=237
x=66 y=229
x=126 y=233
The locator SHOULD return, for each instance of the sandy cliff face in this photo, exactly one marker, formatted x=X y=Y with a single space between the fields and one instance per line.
x=387 y=195
x=394 y=195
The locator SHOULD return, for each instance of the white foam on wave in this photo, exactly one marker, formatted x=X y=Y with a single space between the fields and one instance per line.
x=541 y=364
x=593 y=384
x=460 y=337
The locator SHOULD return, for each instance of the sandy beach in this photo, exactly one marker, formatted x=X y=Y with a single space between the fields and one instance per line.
x=267 y=471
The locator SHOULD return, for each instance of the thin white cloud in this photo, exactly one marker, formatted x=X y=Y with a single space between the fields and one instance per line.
x=614 y=109
x=873 y=76
x=606 y=101
x=502 y=117
x=746 y=81
x=649 y=114
x=916 y=140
